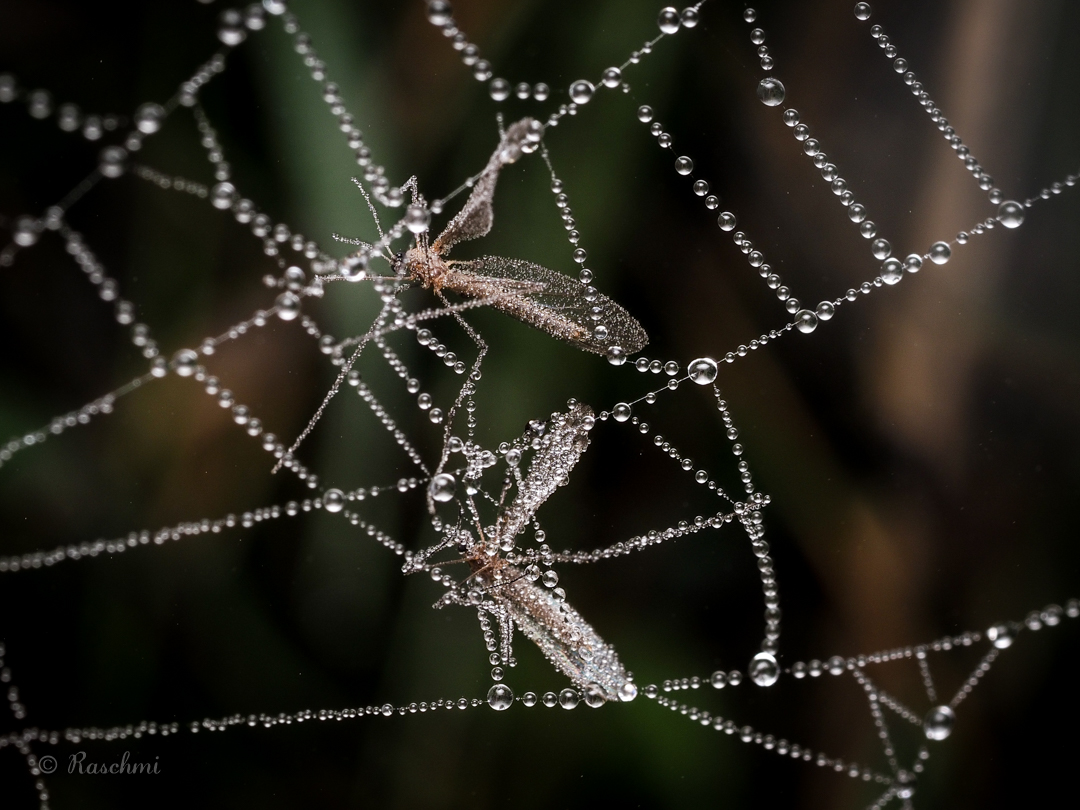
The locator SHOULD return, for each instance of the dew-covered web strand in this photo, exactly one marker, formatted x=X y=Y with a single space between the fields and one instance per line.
x=334 y=500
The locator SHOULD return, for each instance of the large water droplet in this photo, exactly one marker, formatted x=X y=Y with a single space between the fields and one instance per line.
x=892 y=270
x=148 y=118
x=770 y=92
x=806 y=321
x=825 y=310
x=644 y=113
x=333 y=500
x=1011 y=214
x=940 y=252
x=581 y=91
x=689 y=17
x=938 y=723
x=1001 y=636
x=668 y=20
x=184 y=362
x=702 y=371
x=627 y=692
x=499 y=89
x=726 y=221
x=862 y=11
x=500 y=697
x=684 y=165
x=881 y=248
x=111 y=161
x=417 y=218
x=288 y=306
x=222 y=195
x=611 y=77
x=442 y=487
x=27 y=231
x=439 y=12
x=621 y=412
x=568 y=698
x=594 y=695
x=764 y=670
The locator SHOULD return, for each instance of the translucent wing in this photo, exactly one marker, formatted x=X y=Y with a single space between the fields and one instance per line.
x=549 y=301
x=475 y=217
x=566 y=438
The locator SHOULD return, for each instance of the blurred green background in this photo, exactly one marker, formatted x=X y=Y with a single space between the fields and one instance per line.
x=920 y=449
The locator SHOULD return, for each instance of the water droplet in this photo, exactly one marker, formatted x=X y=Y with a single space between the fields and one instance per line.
x=940 y=252
x=8 y=88
x=701 y=188
x=644 y=113
x=938 y=723
x=703 y=370
x=111 y=161
x=770 y=92
x=442 y=487
x=668 y=20
x=892 y=270
x=541 y=92
x=581 y=91
x=148 y=118
x=40 y=104
x=611 y=77
x=550 y=578
x=689 y=17
x=726 y=221
x=1001 y=636
x=333 y=500
x=222 y=195
x=439 y=13
x=749 y=15
x=806 y=321
x=288 y=306
x=627 y=692
x=436 y=416
x=500 y=697
x=27 y=231
x=594 y=695
x=862 y=11
x=684 y=165
x=580 y=255
x=568 y=698
x=868 y=229
x=881 y=248
x=764 y=671
x=621 y=412
x=1011 y=214
x=231 y=28
x=417 y=218
x=857 y=212
x=499 y=89
x=718 y=679
x=913 y=263
x=825 y=311
x=184 y=362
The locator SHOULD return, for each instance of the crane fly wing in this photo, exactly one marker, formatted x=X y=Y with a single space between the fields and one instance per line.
x=560 y=447
x=475 y=217
x=549 y=301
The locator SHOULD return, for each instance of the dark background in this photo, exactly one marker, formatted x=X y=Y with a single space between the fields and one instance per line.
x=921 y=448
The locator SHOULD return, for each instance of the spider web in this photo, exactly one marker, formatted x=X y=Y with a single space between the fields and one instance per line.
x=914 y=446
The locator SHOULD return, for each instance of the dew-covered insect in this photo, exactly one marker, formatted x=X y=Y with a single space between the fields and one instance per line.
x=542 y=298
x=503 y=582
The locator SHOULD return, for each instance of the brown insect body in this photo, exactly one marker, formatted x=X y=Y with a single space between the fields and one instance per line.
x=533 y=294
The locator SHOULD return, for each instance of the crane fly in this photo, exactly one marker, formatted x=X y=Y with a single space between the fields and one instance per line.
x=542 y=298
x=509 y=592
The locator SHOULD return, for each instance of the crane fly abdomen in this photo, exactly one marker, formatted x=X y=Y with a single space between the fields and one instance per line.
x=563 y=636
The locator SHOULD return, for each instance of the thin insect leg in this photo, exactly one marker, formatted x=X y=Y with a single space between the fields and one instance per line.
x=371 y=207
x=345 y=369
x=467 y=388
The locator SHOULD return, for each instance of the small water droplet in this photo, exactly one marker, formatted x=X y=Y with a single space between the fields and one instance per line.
x=881 y=248
x=288 y=306
x=184 y=362
x=417 y=218
x=684 y=165
x=569 y=698
x=111 y=161
x=862 y=11
x=594 y=695
x=1001 y=636
x=612 y=77
x=439 y=13
x=222 y=195
x=825 y=310
x=726 y=221
x=621 y=412
x=499 y=89
x=644 y=113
